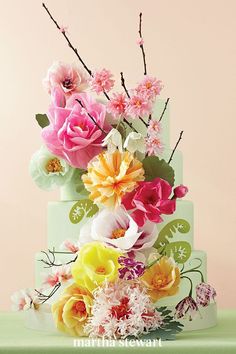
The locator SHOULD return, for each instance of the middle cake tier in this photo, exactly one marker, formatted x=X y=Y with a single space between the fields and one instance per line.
x=66 y=218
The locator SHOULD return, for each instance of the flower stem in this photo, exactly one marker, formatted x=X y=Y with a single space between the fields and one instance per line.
x=68 y=41
x=141 y=45
x=153 y=262
x=176 y=145
x=194 y=271
x=163 y=112
x=191 y=285
x=91 y=117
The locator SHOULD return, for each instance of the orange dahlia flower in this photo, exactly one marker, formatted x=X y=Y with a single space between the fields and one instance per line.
x=111 y=176
x=162 y=279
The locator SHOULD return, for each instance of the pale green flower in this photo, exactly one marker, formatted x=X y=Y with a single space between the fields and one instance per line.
x=49 y=171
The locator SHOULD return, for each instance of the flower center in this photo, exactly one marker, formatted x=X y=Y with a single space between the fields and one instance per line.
x=118 y=233
x=79 y=307
x=101 y=270
x=67 y=83
x=148 y=85
x=138 y=103
x=121 y=310
x=54 y=165
x=159 y=281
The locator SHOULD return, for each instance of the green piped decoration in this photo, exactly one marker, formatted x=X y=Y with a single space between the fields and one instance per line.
x=168 y=230
x=180 y=251
x=82 y=208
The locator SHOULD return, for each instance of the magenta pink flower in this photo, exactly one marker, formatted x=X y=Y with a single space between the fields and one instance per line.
x=149 y=201
x=150 y=87
x=117 y=104
x=130 y=269
x=65 y=76
x=180 y=191
x=102 y=81
x=154 y=145
x=138 y=105
x=72 y=134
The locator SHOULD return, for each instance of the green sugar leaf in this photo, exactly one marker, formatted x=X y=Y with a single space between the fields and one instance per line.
x=154 y=167
x=81 y=209
x=180 y=251
x=177 y=225
x=42 y=120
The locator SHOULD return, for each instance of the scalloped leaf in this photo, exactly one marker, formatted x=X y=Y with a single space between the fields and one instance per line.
x=154 y=167
x=179 y=250
x=81 y=209
x=169 y=328
x=180 y=225
x=42 y=120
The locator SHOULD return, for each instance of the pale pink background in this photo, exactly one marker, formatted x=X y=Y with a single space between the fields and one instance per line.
x=190 y=45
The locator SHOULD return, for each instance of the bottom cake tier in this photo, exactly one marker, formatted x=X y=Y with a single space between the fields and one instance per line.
x=192 y=273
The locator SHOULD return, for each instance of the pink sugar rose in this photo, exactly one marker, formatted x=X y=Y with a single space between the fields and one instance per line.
x=149 y=201
x=180 y=191
x=102 y=81
x=72 y=134
x=65 y=76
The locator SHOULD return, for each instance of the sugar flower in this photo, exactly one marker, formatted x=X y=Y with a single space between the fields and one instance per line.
x=72 y=134
x=49 y=171
x=120 y=310
x=117 y=105
x=154 y=145
x=118 y=229
x=149 y=201
x=154 y=128
x=24 y=299
x=72 y=309
x=135 y=142
x=131 y=269
x=149 y=87
x=111 y=176
x=95 y=264
x=60 y=274
x=138 y=105
x=180 y=191
x=102 y=81
x=67 y=77
x=113 y=141
x=69 y=246
x=204 y=294
x=186 y=308
x=162 y=278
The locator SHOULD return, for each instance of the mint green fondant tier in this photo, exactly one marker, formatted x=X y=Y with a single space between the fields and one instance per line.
x=196 y=258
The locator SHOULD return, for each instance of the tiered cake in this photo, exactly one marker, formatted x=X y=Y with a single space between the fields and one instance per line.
x=120 y=260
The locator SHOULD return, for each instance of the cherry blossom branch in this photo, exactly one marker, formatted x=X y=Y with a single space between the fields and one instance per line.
x=163 y=112
x=51 y=259
x=75 y=50
x=176 y=145
x=43 y=297
x=68 y=41
x=141 y=43
x=91 y=117
x=128 y=95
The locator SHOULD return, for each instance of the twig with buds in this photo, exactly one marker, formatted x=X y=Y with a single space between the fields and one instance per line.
x=176 y=145
x=141 y=44
x=43 y=297
x=50 y=260
x=164 y=110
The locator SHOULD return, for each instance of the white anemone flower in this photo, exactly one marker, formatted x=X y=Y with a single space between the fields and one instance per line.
x=113 y=141
x=118 y=229
x=135 y=142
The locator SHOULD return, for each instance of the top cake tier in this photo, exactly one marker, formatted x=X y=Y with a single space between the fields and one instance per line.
x=68 y=192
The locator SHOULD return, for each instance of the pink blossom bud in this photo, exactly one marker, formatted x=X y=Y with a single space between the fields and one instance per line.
x=180 y=191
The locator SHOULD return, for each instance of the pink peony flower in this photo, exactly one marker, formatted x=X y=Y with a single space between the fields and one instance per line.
x=149 y=201
x=154 y=145
x=180 y=191
x=138 y=105
x=65 y=76
x=72 y=134
x=149 y=87
x=102 y=81
x=117 y=104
